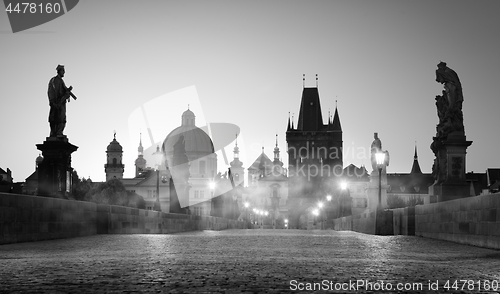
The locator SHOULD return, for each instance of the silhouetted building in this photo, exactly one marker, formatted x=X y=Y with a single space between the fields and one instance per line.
x=6 y=180
x=201 y=166
x=357 y=180
x=267 y=191
x=409 y=189
x=314 y=156
x=31 y=182
x=114 y=167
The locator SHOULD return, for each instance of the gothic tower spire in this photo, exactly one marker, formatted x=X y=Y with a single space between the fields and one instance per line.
x=140 y=162
x=415 y=169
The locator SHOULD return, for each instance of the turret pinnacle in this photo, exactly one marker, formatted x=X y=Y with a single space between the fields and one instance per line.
x=140 y=149
x=415 y=169
x=336 y=121
x=289 y=127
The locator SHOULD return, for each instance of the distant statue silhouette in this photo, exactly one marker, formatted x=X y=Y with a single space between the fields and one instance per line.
x=58 y=95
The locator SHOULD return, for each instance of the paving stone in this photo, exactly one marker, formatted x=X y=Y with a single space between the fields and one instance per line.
x=238 y=261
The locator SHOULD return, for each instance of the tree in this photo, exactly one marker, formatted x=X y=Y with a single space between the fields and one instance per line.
x=80 y=187
x=113 y=192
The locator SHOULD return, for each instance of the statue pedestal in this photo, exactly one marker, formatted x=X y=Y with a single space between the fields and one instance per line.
x=55 y=171
x=449 y=169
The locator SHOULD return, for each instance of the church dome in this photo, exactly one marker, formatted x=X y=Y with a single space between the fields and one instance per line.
x=114 y=146
x=195 y=140
x=197 y=143
x=39 y=159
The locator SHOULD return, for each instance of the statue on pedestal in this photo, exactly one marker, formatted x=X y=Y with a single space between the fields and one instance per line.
x=450 y=144
x=58 y=95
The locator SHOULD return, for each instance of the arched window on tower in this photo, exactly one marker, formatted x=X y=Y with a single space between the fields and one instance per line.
x=114 y=161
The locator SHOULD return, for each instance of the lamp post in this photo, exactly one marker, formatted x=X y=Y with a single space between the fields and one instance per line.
x=342 y=202
x=214 y=205
x=329 y=209
x=315 y=213
x=380 y=157
x=158 y=155
x=246 y=204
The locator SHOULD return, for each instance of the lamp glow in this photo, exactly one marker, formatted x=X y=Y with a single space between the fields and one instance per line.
x=212 y=185
x=343 y=185
x=380 y=157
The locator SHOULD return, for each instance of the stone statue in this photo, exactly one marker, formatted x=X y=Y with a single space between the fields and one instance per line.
x=449 y=104
x=376 y=147
x=376 y=144
x=58 y=95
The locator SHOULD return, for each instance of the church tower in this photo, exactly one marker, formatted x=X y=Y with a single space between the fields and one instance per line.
x=314 y=155
x=237 y=166
x=114 y=167
x=140 y=162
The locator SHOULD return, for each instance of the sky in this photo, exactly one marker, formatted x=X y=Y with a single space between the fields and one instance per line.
x=241 y=63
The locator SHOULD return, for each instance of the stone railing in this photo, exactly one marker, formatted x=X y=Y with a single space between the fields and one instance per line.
x=26 y=218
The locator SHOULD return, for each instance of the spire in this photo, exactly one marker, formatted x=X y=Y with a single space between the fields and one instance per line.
x=288 y=128
x=415 y=157
x=336 y=121
x=415 y=169
x=236 y=155
x=276 y=151
x=236 y=150
x=316 y=80
x=292 y=122
x=303 y=80
x=140 y=149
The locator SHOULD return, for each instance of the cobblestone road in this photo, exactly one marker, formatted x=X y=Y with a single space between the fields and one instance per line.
x=249 y=261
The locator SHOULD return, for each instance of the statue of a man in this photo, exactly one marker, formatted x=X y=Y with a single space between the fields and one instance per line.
x=58 y=95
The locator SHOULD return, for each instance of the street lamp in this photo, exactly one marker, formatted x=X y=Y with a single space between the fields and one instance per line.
x=342 y=200
x=246 y=204
x=213 y=205
x=380 y=157
x=315 y=212
x=158 y=156
x=328 y=198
